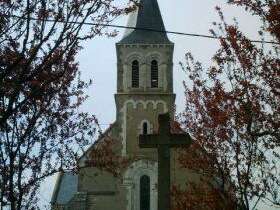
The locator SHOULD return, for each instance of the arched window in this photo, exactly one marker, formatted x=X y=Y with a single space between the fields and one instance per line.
x=145 y=192
x=135 y=74
x=145 y=128
x=154 y=74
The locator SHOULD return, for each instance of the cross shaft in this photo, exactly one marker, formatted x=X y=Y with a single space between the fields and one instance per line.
x=163 y=141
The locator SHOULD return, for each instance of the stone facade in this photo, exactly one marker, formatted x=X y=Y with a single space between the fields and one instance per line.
x=136 y=106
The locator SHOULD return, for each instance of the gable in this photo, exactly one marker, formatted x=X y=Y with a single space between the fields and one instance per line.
x=102 y=137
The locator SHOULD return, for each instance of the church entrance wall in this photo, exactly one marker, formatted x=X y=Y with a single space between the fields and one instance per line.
x=132 y=180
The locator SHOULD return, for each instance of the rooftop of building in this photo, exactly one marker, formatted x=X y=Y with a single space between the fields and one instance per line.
x=146 y=25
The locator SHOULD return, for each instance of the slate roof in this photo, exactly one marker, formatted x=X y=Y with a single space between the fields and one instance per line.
x=65 y=188
x=147 y=16
x=66 y=185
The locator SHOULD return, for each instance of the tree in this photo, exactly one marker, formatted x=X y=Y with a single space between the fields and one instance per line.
x=233 y=113
x=41 y=129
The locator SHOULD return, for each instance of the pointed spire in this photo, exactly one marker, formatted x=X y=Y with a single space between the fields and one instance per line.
x=147 y=16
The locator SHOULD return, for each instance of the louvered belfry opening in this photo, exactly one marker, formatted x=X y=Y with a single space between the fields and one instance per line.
x=135 y=74
x=154 y=74
x=145 y=193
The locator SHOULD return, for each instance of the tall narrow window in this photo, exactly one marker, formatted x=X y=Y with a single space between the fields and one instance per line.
x=145 y=193
x=145 y=128
x=135 y=74
x=154 y=74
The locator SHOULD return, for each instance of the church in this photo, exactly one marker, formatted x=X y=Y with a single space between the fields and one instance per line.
x=144 y=91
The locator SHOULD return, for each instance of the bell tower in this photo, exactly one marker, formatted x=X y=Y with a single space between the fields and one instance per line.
x=144 y=77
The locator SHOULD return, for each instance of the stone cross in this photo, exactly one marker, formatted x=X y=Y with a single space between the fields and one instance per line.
x=163 y=141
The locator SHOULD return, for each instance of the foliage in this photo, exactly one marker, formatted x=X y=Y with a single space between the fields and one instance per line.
x=205 y=190
x=196 y=197
x=104 y=155
x=41 y=129
x=233 y=113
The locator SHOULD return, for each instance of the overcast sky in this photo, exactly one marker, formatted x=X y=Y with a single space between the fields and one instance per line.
x=98 y=58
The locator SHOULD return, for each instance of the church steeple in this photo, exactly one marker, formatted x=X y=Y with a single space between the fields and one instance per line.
x=145 y=76
x=147 y=17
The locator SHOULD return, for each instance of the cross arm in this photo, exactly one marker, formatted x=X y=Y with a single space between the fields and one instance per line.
x=175 y=140
x=180 y=140
x=148 y=141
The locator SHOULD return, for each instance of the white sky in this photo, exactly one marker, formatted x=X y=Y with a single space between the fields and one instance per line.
x=98 y=58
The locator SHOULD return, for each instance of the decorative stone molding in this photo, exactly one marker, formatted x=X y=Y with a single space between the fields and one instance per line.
x=131 y=181
x=146 y=103
x=149 y=127
x=155 y=55
x=134 y=56
x=135 y=103
x=145 y=45
x=145 y=69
